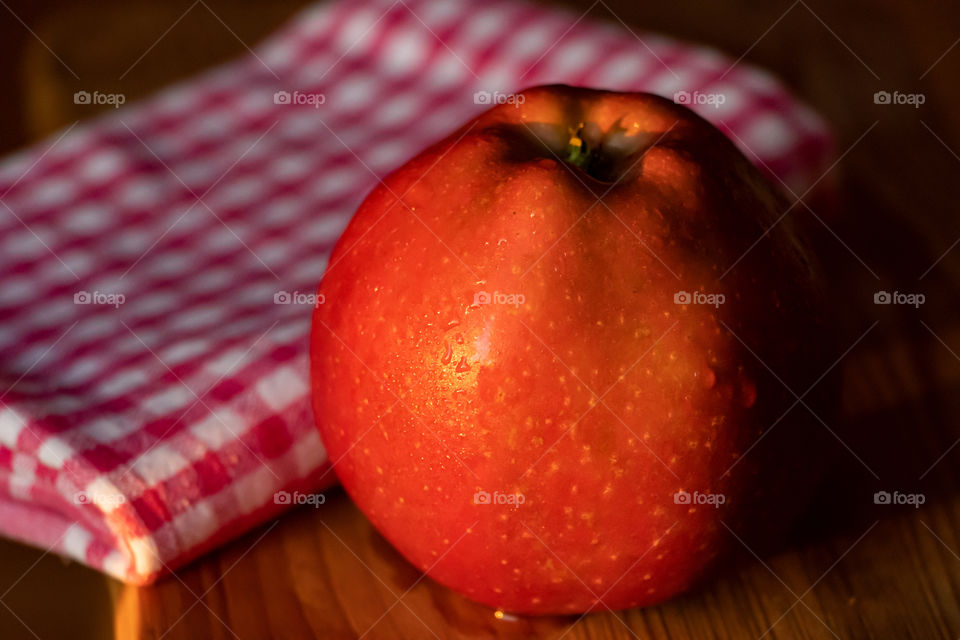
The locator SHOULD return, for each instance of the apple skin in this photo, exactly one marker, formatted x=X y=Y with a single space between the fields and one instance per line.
x=598 y=398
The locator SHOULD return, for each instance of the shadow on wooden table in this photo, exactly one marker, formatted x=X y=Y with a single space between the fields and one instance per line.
x=898 y=423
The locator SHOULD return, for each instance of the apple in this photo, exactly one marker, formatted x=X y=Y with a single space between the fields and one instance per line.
x=556 y=360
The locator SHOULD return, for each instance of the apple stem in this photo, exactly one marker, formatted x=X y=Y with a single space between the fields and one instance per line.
x=578 y=153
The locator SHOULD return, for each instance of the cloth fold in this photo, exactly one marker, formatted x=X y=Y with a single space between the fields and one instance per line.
x=159 y=261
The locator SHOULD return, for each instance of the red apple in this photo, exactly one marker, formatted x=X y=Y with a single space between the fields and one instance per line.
x=550 y=343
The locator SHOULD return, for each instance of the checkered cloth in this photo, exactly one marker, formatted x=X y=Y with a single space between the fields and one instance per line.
x=158 y=261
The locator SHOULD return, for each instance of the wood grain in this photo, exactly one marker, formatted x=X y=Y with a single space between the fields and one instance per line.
x=853 y=570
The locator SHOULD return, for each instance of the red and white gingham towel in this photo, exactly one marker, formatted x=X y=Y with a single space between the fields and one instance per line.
x=157 y=262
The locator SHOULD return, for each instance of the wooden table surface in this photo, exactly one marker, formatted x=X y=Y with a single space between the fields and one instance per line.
x=852 y=570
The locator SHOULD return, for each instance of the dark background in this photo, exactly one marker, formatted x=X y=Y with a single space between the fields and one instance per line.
x=864 y=571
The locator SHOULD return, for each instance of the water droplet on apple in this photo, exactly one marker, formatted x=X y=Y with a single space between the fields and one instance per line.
x=709 y=377
x=448 y=353
x=462 y=366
